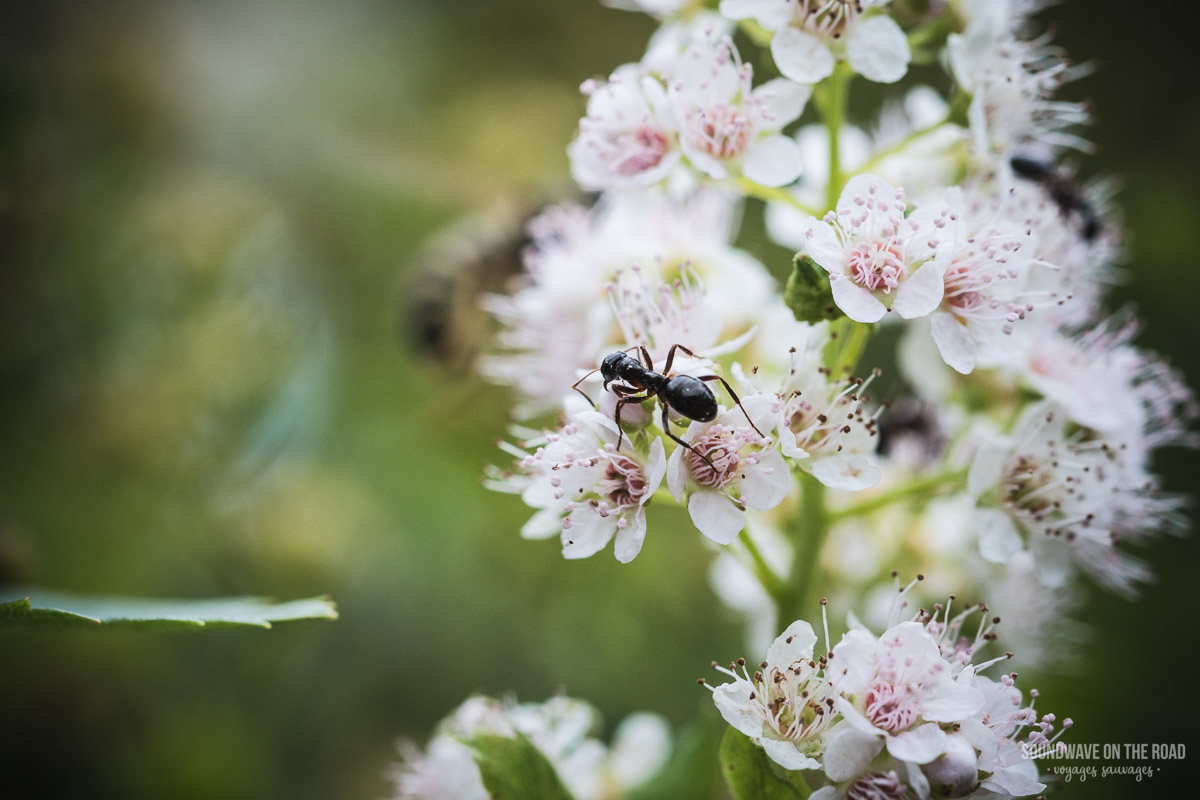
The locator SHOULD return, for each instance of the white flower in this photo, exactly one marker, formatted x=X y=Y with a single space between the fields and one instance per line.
x=878 y=260
x=585 y=489
x=628 y=136
x=1069 y=498
x=810 y=35
x=895 y=691
x=729 y=466
x=559 y=728
x=558 y=324
x=823 y=424
x=1012 y=83
x=785 y=707
x=1106 y=383
x=726 y=127
x=917 y=691
x=984 y=289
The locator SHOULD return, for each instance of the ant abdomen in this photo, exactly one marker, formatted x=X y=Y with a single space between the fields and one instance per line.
x=691 y=398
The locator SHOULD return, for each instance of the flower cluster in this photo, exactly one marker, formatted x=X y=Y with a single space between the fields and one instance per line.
x=903 y=714
x=1011 y=442
x=560 y=729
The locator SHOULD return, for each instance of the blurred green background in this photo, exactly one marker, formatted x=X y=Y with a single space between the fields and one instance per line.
x=208 y=217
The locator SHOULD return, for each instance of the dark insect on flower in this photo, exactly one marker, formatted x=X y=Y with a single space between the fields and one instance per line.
x=1063 y=190
x=685 y=394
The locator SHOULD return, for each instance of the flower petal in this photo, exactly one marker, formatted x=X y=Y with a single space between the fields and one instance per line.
x=786 y=754
x=920 y=745
x=628 y=542
x=772 y=161
x=801 y=56
x=588 y=534
x=782 y=102
x=858 y=303
x=878 y=50
x=794 y=644
x=768 y=483
x=920 y=293
x=848 y=752
x=716 y=516
x=998 y=537
x=953 y=341
x=822 y=245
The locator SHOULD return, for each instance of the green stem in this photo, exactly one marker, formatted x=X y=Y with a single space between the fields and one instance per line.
x=798 y=781
x=909 y=491
x=769 y=194
x=766 y=576
x=830 y=100
x=903 y=144
x=811 y=528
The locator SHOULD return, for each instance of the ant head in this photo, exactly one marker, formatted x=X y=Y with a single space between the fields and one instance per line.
x=608 y=367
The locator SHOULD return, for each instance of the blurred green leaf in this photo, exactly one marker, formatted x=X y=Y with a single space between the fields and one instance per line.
x=513 y=769
x=747 y=770
x=53 y=609
x=808 y=294
x=691 y=772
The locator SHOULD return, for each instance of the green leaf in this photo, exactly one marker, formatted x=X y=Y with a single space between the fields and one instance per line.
x=807 y=292
x=691 y=772
x=748 y=772
x=44 y=609
x=513 y=769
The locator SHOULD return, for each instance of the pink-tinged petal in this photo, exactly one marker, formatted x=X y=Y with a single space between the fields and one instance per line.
x=999 y=540
x=716 y=516
x=988 y=465
x=951 y=702
x=786 y=755
x=801 y=56
x=772 y=161
x=736 y=707
x=588 y=534
x=849 y=751
x=953 y=341
x=704 y=162
x=849 y=471
x=768 y=483
x=858 y=303
x=792 y=645
x=866 y=187
x=920 y=293
x=783 y=101
x=878 y=50
x=822 y=245
x=854 y=663
x=760 y=409
x=920 y=745
x=628 y=542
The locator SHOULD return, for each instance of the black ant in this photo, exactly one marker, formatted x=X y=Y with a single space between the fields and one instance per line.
x=685 y=394
x=1062 y=190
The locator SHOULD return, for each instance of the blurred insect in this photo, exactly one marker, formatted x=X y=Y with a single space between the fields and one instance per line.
x=1065 y=193
x=440 y=316
x=684 y=394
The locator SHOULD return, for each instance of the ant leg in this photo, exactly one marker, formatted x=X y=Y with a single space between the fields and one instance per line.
x=646 y=357
x=575 y=386
x=671 y=357
x=624 y=401
x=666 y=426
x=733 y=394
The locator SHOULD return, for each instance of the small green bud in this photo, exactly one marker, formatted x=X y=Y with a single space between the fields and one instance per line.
x=808 y=294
